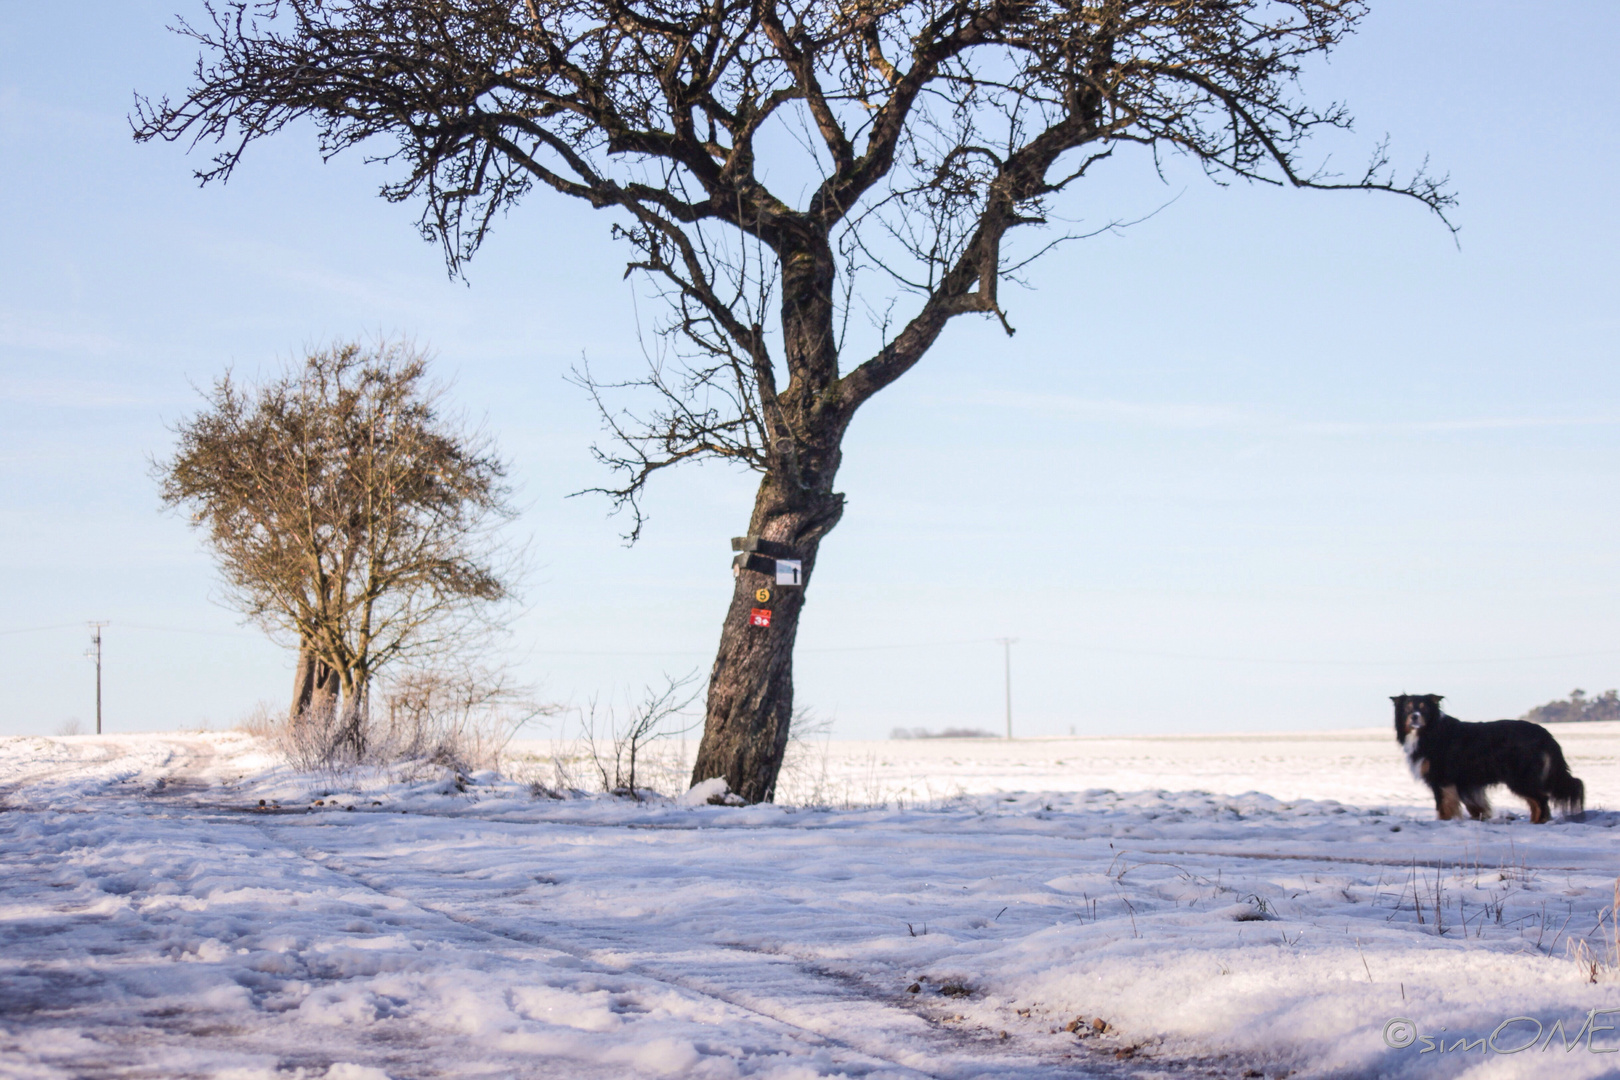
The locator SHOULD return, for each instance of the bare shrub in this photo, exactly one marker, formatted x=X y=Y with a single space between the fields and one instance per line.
x=321 y=737
x=70 y=726
x=806 y=778
x=463 y=719
x=626 y=736
x=460 y=718
x=563 y=776
x=1597 y=961
x=264 y=720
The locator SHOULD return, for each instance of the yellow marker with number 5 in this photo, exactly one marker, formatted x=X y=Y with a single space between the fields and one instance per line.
x=763 y=596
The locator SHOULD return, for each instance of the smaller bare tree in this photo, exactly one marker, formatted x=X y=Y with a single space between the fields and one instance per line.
x=350 y=515
x=657 y=715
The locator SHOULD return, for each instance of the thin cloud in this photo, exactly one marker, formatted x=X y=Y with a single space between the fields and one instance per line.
x=1198 y=416
x=294 y=268
x=76 y=393
x=1182 y=415
x=1483 y=423
x=21 y=332
x=29 y=116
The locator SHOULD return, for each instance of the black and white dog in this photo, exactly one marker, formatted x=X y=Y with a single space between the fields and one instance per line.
x=1459 y=760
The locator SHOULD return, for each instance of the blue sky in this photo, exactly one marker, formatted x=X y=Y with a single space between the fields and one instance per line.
x=1253 y=464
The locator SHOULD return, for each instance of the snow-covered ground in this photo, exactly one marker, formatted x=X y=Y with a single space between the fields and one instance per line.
x=1224 y=906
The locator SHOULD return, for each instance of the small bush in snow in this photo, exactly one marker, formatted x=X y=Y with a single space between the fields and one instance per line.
x=459 y=719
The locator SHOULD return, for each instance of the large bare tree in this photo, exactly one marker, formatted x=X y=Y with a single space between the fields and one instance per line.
x=776 y=166
x=349 y=513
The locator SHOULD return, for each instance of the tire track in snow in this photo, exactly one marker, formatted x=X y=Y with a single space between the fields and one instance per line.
x=104 y=753
x=591 y=956
x=181 y=766
x=809 y=988
x=796 y=989
x=940 y=1040
x=978 y=841
x=992 y=841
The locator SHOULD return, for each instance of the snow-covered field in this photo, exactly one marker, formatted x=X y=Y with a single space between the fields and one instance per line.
x=1224 y=906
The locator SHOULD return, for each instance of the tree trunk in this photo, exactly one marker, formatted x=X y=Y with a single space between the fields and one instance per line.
x=350 y=736
x=750 y=706
x=315 y=686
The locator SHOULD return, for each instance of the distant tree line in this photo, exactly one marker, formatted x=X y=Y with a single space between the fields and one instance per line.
x=947 y=733
x=1577 y=708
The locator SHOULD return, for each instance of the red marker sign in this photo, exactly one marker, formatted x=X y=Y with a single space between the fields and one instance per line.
x=759 y=616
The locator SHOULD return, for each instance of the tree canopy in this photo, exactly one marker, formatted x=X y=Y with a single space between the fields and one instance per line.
x=346 y=511
x=763 y=151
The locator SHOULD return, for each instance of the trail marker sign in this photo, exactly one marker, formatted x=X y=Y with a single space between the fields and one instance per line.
x=767 y=557
x=763 y=547
x=759 y=564
x=759 y=617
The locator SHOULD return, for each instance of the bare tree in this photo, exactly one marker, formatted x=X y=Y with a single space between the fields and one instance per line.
x=655 y=717
x=776 y=166
x=349 y=513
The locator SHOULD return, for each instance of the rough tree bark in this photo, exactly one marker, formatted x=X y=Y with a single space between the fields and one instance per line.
x=750 y=701
x=750 y=705
x=316 y=688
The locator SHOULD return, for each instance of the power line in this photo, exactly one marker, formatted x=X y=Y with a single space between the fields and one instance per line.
x=616 y=652
x=186 y=630
x=709 y=652
x=39 y=629
x=903 y=645
x=1158 y=654
x=893 y=646
x=130 y=626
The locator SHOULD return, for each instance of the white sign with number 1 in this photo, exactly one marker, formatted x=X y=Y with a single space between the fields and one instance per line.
x=788 y=571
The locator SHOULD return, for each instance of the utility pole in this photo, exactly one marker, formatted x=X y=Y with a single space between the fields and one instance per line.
x=1006 y=659
x=95 y=630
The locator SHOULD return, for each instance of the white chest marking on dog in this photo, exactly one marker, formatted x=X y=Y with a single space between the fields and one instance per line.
x=1418 y=765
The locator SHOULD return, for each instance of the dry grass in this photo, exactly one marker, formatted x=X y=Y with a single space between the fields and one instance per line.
x=1603 y=958
x=461 y=720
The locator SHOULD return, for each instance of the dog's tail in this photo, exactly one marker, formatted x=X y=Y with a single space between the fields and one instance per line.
x=1568 y=793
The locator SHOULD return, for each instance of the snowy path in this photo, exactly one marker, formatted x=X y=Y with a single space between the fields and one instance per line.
x=154 y=922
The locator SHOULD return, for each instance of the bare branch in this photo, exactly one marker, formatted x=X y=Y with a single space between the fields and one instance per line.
x=936 y=134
